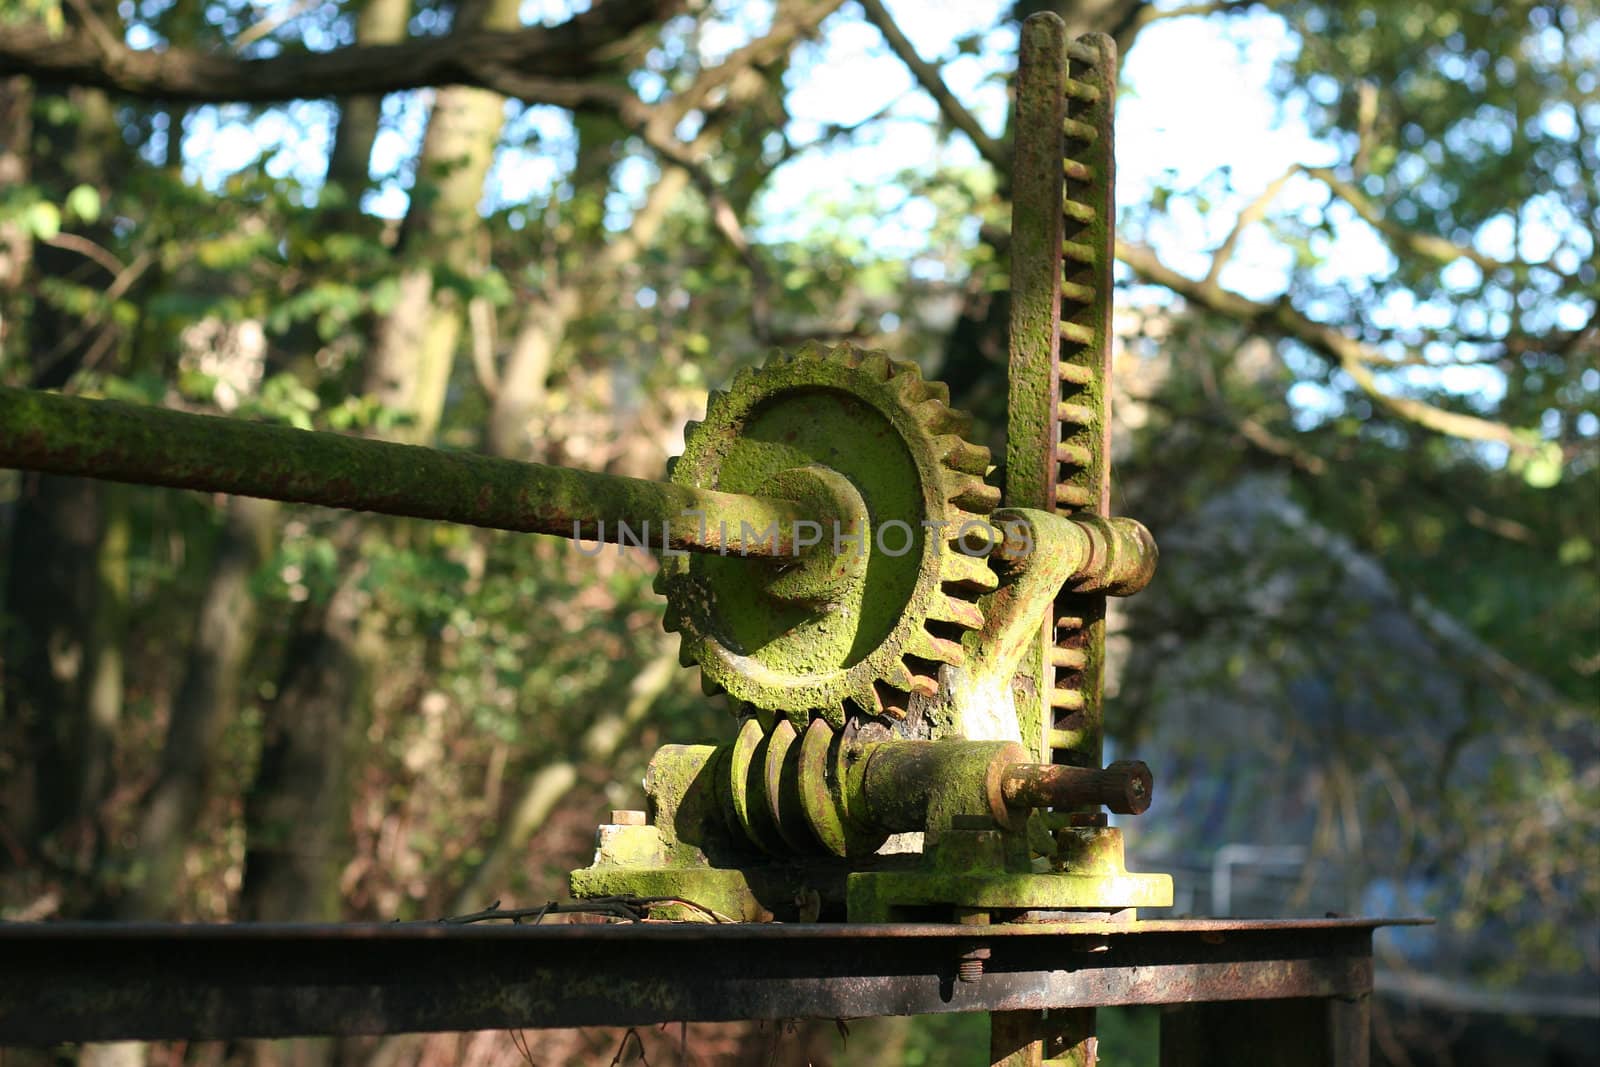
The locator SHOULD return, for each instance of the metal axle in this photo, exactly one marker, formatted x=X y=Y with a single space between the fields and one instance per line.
x=147 y=445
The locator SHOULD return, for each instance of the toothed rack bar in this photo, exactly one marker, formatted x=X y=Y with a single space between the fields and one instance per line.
x=148 y=445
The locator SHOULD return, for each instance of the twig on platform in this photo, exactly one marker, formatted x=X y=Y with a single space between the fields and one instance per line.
x=621 y=908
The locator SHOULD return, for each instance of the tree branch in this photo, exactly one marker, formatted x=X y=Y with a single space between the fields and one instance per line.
x=789 y=22
x=1253 y=213
x=583 y=46
x=1150 y=13
x=1252 y=430
x=1426 y=245
x=932 y=82
x=271 y=24
x=87 y=249
x=1347 y=353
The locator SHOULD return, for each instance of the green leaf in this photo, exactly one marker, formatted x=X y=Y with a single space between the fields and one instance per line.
x=197 y=385
x=84 y=202
x=385 y=294
x=1543 y=469
x=44 y=220
x=1575 y=550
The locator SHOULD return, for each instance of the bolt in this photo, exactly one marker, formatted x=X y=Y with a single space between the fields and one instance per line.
x=969 y=965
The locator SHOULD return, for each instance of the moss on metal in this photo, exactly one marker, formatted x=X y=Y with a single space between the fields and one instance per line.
x=121 y=442
x=891 y=896
x=887 y=623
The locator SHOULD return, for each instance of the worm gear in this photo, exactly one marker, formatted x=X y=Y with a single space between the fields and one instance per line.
x=867 y=618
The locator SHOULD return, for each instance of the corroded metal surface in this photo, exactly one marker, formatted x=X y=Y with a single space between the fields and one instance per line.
x=1058 y=425
x=90 y=981
x=1058 y=429
x=155 y=446
x=1124 y=787
x=1081 y=441
x=1036 y=232
x=910 y=590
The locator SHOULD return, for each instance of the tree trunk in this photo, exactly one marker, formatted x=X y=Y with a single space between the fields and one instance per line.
x=51 y=596
x=16 y=241
x=349 y=161
x=55 y=643
x=208 y=694
x=206 y=702
x=298 y=810
x=596 y=745
x=415 y=346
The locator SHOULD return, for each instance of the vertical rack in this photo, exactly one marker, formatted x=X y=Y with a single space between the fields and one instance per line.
x=1058 y=440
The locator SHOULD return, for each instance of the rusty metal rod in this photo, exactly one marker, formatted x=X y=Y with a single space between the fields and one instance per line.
x=1124 y=787
x=115 y=981
x=148 y=445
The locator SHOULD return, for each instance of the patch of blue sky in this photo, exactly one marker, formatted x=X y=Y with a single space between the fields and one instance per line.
x=537 y=147
x=290 y=142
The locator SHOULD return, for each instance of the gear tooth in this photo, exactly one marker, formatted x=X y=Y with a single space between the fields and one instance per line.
x=865 y=699
x=811 y=352
x=969 y=571
x=876 y=364
x=906 y=374
x=954 y=610
x=690 y=428
x=898 y=675
x=848 y=354
x=938 y=390
x=924 y=685
x=940 y=418
x=962 y=455
x=742 y=379
x=958 y=519
x=685 y=652
x=672 y=461
x=971 y=492
x=925 y=645
x=913 y=390
x=891 y=694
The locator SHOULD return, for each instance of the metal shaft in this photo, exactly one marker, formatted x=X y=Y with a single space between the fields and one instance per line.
x=1124 y=787
x=155 y=446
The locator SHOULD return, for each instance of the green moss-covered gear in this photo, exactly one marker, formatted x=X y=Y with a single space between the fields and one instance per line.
x=877 y=638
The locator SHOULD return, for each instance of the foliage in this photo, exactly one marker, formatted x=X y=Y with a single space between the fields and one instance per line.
x=1437 y=413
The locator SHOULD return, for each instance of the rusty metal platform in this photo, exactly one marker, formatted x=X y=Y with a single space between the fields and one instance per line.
x=74 y=981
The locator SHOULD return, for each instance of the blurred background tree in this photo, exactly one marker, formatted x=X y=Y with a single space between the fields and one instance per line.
x=1358 y=392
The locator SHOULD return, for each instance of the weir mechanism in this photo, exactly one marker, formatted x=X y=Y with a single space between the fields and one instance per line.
x=909 y=815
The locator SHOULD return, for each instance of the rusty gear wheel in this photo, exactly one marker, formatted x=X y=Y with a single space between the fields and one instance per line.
x=870 y=436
